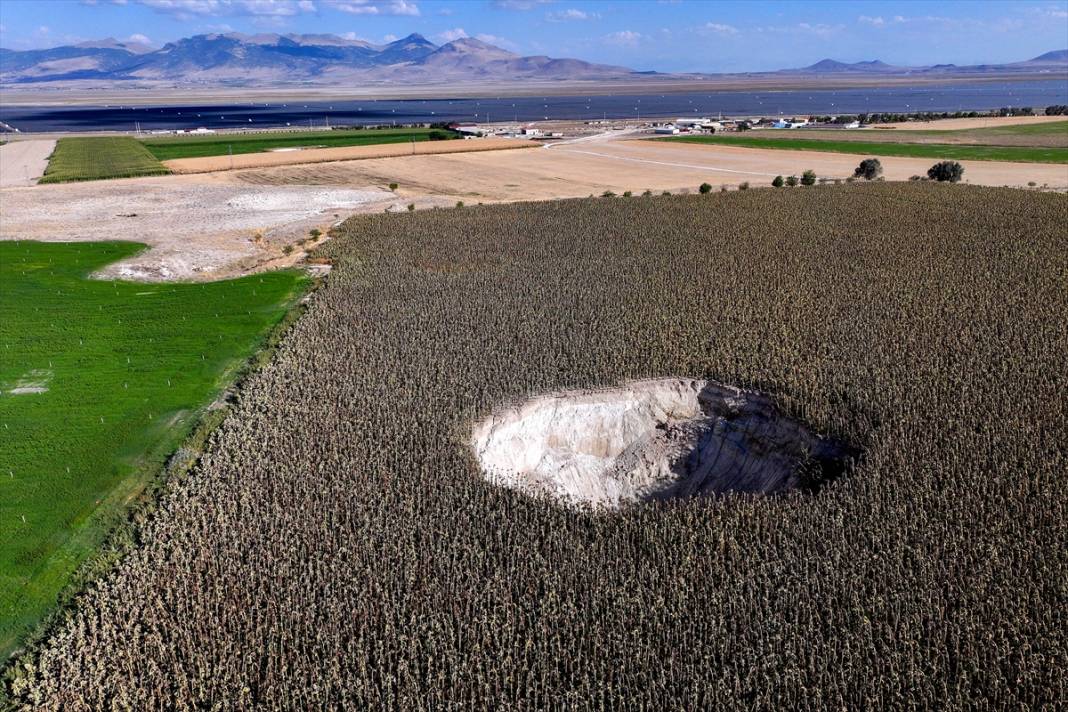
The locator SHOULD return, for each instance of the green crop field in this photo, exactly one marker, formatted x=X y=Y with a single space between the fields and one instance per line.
x=937 y=151
x=99 y=157
x=219 y=145
x=99 y=382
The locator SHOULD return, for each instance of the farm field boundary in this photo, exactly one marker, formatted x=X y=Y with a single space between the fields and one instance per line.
x=101 y=381
x=960 y=152
x=171 y=148
x=100 y=157
x=346 y=153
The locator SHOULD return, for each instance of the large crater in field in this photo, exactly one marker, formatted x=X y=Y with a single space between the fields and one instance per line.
x=652 y=440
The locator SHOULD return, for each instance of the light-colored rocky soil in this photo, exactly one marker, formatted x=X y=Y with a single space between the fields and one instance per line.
x=195 y=229
x=650 y=440
x=23 y=162
x=346 y=153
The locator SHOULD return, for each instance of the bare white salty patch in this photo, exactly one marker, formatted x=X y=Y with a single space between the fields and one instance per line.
x=651 y=440
x=35 y=381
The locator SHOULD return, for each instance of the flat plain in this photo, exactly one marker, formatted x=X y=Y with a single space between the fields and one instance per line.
x=99 y=382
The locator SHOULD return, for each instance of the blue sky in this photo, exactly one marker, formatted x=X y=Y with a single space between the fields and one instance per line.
x=665 y=35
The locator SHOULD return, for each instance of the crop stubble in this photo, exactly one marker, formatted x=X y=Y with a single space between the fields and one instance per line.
x=337 y=546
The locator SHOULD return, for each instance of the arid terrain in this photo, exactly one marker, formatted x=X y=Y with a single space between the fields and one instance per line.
x=325 y=155
x=24 y=162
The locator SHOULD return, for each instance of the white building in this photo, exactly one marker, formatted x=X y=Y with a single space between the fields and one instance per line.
x=668 y=129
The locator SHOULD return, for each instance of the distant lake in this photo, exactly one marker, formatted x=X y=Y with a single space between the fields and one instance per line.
x=970 y=96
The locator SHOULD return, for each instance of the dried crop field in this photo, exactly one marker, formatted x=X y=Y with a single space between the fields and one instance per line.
x=338 y=547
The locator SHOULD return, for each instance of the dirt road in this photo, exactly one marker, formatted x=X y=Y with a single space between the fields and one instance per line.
x=24 y=162
x=324 y=155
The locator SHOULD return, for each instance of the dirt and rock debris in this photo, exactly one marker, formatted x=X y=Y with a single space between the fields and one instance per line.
x=652 y=440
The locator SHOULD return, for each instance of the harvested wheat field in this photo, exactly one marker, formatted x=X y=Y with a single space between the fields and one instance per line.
x=340 y=545
x=209 y=164
x=571 y=170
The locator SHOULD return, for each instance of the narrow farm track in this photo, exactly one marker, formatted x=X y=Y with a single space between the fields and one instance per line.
x=23 y=162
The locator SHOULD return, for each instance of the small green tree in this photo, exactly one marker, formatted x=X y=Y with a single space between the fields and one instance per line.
x=705 y=188
x=808 y=177
x=315 y=233
x=778 y=182
x=411 y=207
x=791 y=181
x=392 y=186
x=743 y=186
x=869 y=169
x=946 y=171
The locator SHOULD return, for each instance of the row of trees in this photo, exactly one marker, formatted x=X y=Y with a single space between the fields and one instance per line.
x=886 y=117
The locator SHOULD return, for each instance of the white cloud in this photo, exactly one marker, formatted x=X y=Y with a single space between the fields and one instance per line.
x=571 y=15
x=804 y=28
x=624 y=38
x=375 y=7
x=521 y=5
x=390 y=38
x=719 y=28
x=451 y=35
x=186 y=9
x=497 y=41
x=876 y=21
x=139 y=39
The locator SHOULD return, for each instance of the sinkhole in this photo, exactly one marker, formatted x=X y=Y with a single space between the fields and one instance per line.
x=653 y=440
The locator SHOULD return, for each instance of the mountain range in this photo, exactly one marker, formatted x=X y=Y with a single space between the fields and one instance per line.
x=235 y=59
x=271 y=58
x=1050 y=61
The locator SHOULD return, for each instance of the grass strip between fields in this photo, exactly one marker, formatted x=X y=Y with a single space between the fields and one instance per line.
x=960 y=152
x=172 y=147
x=100 y=157
x=99 y=383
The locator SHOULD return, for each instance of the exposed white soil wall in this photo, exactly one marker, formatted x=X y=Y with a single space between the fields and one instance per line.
x=648 y=440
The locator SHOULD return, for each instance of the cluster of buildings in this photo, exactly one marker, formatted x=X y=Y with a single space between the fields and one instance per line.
x=704 y=125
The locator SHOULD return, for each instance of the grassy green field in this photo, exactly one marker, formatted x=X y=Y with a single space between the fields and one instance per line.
x=99 y=382
x=937 y=151
x=99 y=157
x=219 y=145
